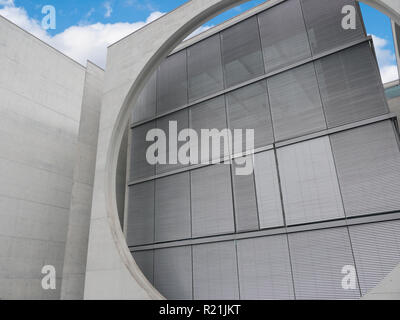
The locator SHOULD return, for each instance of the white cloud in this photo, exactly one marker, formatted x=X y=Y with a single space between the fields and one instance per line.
x=6 y=2
x=386 y=60
x=109 y=9
x=81 y=42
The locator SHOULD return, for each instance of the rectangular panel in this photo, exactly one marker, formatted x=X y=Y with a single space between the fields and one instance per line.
x=245 y=197
x=267 y=188
x=210 y=115
x=318 y=258
x=140 y=224
x=145 y=261
x=172 y=125
x=139 y=166
x=296 y=103
x=376 y=249
x=172 y=88
x=350 y=86
x=173 y=272
x=205 y=68
x=215 y=271
x=324 y=24
x=248 y=108
x=368 y=165
x=212 y=207
x=241 y=52
x=264 y=268
x=145 y=106
x=283 y=35
x=172 y=220
x=309 y=183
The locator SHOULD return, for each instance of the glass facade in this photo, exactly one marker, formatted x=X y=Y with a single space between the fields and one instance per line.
x=324 y=187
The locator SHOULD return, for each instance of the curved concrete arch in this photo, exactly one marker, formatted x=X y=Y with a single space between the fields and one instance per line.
x=111 y=271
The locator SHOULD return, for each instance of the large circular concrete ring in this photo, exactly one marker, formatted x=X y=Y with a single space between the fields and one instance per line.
x=184 y=20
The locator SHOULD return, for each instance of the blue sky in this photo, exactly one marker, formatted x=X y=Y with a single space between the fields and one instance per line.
x=85 y=28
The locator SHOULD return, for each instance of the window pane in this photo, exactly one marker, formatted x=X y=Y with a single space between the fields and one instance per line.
x=144 y=260
x=309 y=183
x=351 y=87
x=268 y=194
x=205 y=68
x=172 y=88
x=140 y=224
x=215 y=271
x=368 y=164
x=145 y=106
x=241 y=52
x=296 y=103
x=173 y=208
x=212 y=207
x=248 y=108
x=283 y=35
x=324 y=24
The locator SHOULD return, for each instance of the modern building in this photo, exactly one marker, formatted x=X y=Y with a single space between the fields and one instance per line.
x=318 y=217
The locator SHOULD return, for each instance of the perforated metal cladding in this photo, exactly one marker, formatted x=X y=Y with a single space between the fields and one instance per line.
x=248 y=108
x=368 y=165
x=173 y=272
x=145 y=261
x=290 y=44
x=180 y=121
x=376 y=250
x=309 y=182
x=350 y=86
x=323 y=20
x=145 y=106
x=205 y=68
x=264 y=268
x=296 y=103
x=139 y=166
x=245 y=198
x=172 y=208
x=241 y=52
x=215 y=271
x=140 y=224
x=318 y=258
x=212 y=206
x=210 y=115
x=172 y=87
x=267 y=190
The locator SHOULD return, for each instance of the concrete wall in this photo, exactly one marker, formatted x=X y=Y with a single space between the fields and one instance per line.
x=81 y=202
x=40 y=108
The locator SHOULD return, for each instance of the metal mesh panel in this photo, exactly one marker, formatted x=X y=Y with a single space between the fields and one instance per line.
x=145 y=106
x=267 y=188
x=245 y=199
x=172 y=215
x=173 y=272
x=205 y=68
x=140 y=167
x=182 y=121
x=241 y=52
x=296 y=103
x=215 y=272
x=368 y=164
x=210 y=115
x=318 y=258
x=377 y=251
x=172 y=88
x=324 y=24
x=350 y=85
x=212 y=207
x=309 y=183
x=248 y=108
x=264 y=268
x=145 y=261
x=140 y=224
x=283 y=35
